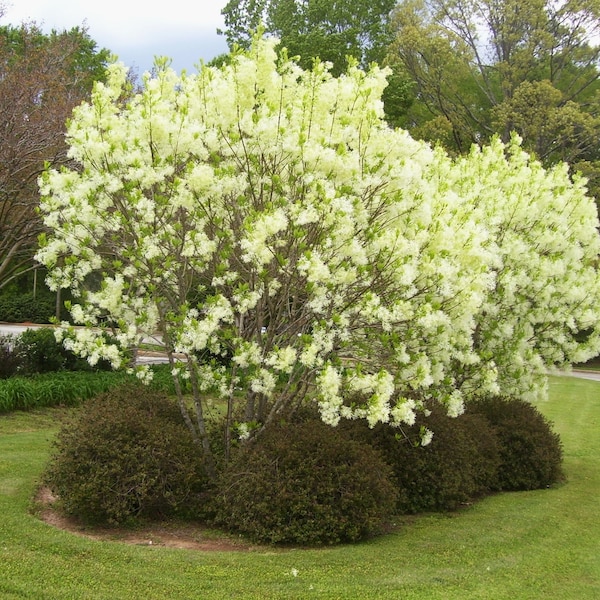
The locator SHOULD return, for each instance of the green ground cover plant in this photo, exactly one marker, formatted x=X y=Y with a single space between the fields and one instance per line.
x=69 y=388
x=53 y=389
x=527 y=545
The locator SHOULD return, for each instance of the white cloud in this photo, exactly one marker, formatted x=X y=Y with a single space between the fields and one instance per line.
x=134 y=29
x=122 y=17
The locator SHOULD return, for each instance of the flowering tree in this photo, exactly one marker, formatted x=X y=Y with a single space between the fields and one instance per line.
x=542 y=309
x=288 y=244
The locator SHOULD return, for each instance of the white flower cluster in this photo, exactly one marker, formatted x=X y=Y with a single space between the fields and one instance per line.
x=268 y=212
x=195 y=333
x=89 y=344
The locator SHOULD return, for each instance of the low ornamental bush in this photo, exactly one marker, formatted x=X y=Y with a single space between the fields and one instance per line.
x=456 y=467
x=305 y=483
x=127 y=454
x=38 y=352
x=530 y=452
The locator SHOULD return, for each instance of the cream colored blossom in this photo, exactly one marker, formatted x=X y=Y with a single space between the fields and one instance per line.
x=268 y=215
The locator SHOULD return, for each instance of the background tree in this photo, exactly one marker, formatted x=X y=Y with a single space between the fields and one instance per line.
x=294 y=248
x=485 y=67
x=330 y=31
x=42 y=77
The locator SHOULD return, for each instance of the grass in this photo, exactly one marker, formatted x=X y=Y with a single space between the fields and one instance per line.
x=56 y=388
x=524 y=546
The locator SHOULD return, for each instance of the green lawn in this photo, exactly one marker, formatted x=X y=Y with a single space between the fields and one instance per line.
x=533 y=545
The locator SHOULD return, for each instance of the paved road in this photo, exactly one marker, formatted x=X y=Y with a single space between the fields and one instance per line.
x=16 y=329
x=154 y=358
x=594 y=375
x=144 y=358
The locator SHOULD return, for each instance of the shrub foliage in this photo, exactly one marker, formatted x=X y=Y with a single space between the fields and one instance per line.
x=126 y=455
x=38 y=351
x=458 y=465
x=530 y=452
x=24 y=307
x=8 y=359
x=305 y=483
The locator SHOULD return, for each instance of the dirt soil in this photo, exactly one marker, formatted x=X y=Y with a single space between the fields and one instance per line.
x=168 y=534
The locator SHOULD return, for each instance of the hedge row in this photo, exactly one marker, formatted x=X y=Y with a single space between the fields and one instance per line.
x=299 y=482
x=23 y=308
x=309 y=483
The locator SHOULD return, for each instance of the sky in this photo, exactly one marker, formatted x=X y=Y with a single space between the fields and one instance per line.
x=135 y=30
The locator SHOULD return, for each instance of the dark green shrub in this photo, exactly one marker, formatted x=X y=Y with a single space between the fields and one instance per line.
x=458 y=465
x=126 y=454
x=530 y=452
x=21 y=308
x=9 y=362
x=305 y=483
x=37 y=351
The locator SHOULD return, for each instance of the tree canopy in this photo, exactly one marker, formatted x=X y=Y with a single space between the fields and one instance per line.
x=484 y=67
x=330 y=31
x=279 y=235
x=42 y=77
